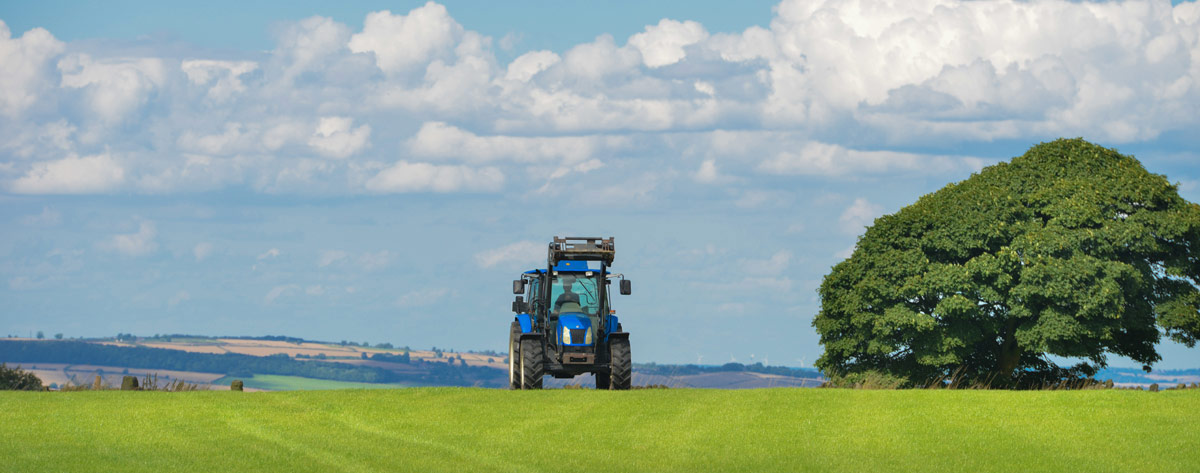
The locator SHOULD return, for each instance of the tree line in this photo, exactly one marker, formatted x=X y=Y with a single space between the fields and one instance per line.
x=73 y=352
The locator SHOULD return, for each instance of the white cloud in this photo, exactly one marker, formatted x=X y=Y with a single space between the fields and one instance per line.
x=527 y=65
x=329 y=257
x=71 y=175
x=315 y=290
x=114 y=87
x=663 y=44
x=134 y=244
x=225 y=76
x=440 y=140
x=23 y=77
x=843 y=86
x=307 y=45
x=858 y=215
x=374 y=261
x=335 y=138
x=402 y=43
x=278 y=291
x=708 y=172
x=271 y=253
x=822 y=159
x=522 y=253
x=424 y=177
x=202 y=250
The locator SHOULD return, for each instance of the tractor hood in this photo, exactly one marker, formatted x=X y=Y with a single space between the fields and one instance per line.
x=575 y=329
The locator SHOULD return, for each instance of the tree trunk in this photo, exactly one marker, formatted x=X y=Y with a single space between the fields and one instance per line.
x=1009 y=355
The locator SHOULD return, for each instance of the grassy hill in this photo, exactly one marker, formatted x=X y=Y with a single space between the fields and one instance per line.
x=464 y=429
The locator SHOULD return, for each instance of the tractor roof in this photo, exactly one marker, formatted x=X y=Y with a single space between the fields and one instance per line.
x=567 y=265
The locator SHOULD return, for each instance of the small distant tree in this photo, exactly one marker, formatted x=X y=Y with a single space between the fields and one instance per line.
x=40 y=335
x=18 y=379
x=58 y=336
x=364 y=355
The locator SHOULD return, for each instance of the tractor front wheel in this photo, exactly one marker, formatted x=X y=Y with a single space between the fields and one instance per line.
x=514 y=356
x=621 y=366
x=532 y=368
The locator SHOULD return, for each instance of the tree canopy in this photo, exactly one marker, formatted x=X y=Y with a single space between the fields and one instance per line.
x=1071 y=250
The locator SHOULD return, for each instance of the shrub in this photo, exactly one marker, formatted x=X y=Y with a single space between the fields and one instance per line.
x=866 y=380
x=18 y=379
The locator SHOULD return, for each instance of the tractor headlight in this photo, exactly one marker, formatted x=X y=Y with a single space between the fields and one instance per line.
x=587 y=337
x=566 y=337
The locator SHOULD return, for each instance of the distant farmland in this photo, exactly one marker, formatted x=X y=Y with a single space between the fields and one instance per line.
x=465 y=429
x=217 y=360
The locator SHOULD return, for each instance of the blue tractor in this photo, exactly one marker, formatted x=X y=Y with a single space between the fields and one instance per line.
x=565 y=325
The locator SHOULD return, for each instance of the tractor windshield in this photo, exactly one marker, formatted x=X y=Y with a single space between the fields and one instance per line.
x=575 y=292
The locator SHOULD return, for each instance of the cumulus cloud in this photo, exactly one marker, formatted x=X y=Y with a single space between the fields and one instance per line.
x=441 y=140
x=841 y=85
x=71 y=175
x=824 y=159
x=271 y=253
x=401 y=43
x=223 y=78
x=858 y=215
x=663 y=44
x=138 y=243
x=527 y=65
x=335 y=137
x=404 y=176
x=114 y=87
x=522 y=253
x=708 y=172
x=307 y=45
x=22 y=79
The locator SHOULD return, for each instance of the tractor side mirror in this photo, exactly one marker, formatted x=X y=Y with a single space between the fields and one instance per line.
x=519 y=286
x=626 y=287
x=519 y=305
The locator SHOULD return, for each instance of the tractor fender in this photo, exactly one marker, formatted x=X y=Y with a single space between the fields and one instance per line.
x=531 y=336
x=613 y=324
x=613 y=335
x=526 y=323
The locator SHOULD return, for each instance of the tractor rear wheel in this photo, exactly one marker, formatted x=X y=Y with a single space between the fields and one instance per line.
x=621 y=366
x=514 y=356
x=532 y=369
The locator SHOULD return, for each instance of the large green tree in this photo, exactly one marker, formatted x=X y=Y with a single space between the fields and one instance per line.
x=1071 y=250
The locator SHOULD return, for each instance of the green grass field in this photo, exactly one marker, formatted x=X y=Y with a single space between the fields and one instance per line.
x=296 y=383
x=462 y=429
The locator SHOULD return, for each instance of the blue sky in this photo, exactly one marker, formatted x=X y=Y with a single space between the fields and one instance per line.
x=381 y=171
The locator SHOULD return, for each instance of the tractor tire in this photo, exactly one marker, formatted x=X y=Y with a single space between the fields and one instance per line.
x=532 y=368
x=514 y=356
x=621 y=365
x=602 y=380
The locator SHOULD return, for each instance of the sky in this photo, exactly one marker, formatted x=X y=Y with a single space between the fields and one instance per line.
x=380 y=171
